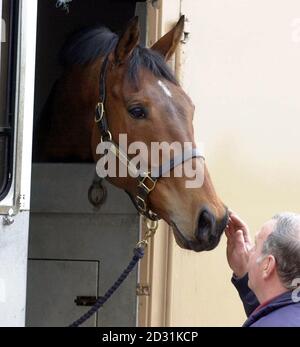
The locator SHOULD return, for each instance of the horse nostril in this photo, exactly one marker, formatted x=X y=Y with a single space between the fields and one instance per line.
x=206 y=225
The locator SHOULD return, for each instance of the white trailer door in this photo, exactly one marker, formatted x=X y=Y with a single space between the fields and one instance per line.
x=17 y=61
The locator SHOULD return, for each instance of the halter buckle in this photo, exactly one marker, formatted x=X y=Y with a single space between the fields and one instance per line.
x=99 y=112
x=141 y=203
x=142 y=183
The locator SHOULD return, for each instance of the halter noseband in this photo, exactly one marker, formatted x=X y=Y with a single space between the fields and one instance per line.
x=146 y=182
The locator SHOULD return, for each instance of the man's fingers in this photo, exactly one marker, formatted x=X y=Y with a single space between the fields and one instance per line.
x=247 y=236
x=237 y=231
x=227 y=233
x=237 y=220
x=236 y=236
x=239 y=223
x=230 y=228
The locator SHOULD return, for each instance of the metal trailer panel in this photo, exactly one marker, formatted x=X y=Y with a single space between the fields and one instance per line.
x=65 y=227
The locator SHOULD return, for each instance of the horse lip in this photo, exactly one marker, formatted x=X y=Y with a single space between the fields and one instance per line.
x=184 y=243
x=180 y=238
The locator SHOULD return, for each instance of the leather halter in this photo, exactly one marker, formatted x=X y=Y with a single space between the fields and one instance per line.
x=146 y=182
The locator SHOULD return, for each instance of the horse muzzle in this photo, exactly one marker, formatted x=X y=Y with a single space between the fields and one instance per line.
x=207 y=235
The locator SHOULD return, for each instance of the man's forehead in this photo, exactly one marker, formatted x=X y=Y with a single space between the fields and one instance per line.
x=266 y=229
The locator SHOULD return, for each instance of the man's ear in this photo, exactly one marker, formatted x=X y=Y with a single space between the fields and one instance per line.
x=167 y=45
x=269 y=266
x=128 y=41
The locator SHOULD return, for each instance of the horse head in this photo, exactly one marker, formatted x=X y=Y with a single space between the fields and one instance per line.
x=144 y=101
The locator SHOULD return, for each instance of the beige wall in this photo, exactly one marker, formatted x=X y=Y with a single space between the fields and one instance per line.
x=241 y=67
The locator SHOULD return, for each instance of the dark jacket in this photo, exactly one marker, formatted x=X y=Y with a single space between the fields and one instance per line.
x=282 y=311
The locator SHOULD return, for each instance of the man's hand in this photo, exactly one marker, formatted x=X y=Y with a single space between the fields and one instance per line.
x=238 y=245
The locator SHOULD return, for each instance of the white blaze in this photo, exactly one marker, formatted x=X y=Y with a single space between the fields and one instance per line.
x=165 y=88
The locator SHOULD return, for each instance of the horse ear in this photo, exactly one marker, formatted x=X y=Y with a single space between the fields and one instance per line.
x=167 y=45
x=128 y=41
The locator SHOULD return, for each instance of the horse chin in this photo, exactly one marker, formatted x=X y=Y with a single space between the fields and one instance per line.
x=187 y=244
x=183 y=242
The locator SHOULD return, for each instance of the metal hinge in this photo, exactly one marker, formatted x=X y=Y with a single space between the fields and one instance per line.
x=21 y=201
x=8 y=220
x=143 y=290
x=187 y=31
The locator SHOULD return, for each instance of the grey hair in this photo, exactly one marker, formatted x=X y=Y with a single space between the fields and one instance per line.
x=284 y=244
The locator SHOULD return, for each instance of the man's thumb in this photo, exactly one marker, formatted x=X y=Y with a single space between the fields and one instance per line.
x=239 y=237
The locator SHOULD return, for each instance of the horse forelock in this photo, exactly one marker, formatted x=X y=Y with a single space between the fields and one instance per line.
x=89 y=44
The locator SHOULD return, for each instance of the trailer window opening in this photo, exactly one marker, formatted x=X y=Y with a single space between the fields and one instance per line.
x=8 y=34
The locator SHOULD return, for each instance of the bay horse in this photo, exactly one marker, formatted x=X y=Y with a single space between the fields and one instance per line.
x=144 y=100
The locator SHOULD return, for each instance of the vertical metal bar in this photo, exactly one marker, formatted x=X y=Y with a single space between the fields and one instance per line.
x=25 y=102
x=2 y=28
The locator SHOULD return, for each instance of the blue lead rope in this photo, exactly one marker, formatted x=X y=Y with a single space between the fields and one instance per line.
x=138 y=255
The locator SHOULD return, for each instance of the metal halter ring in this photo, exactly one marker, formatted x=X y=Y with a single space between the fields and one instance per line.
x=107 y=137
x=152 y=228
x=152 y=225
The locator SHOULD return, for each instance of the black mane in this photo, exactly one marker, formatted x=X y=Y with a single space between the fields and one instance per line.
x=89 y=44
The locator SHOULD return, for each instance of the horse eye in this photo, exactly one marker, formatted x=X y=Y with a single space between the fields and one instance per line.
x=137 y=112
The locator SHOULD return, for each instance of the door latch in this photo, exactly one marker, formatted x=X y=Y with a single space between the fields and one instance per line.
x=86 y=300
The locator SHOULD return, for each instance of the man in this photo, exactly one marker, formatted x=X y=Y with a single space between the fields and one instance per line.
x=267 y=274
